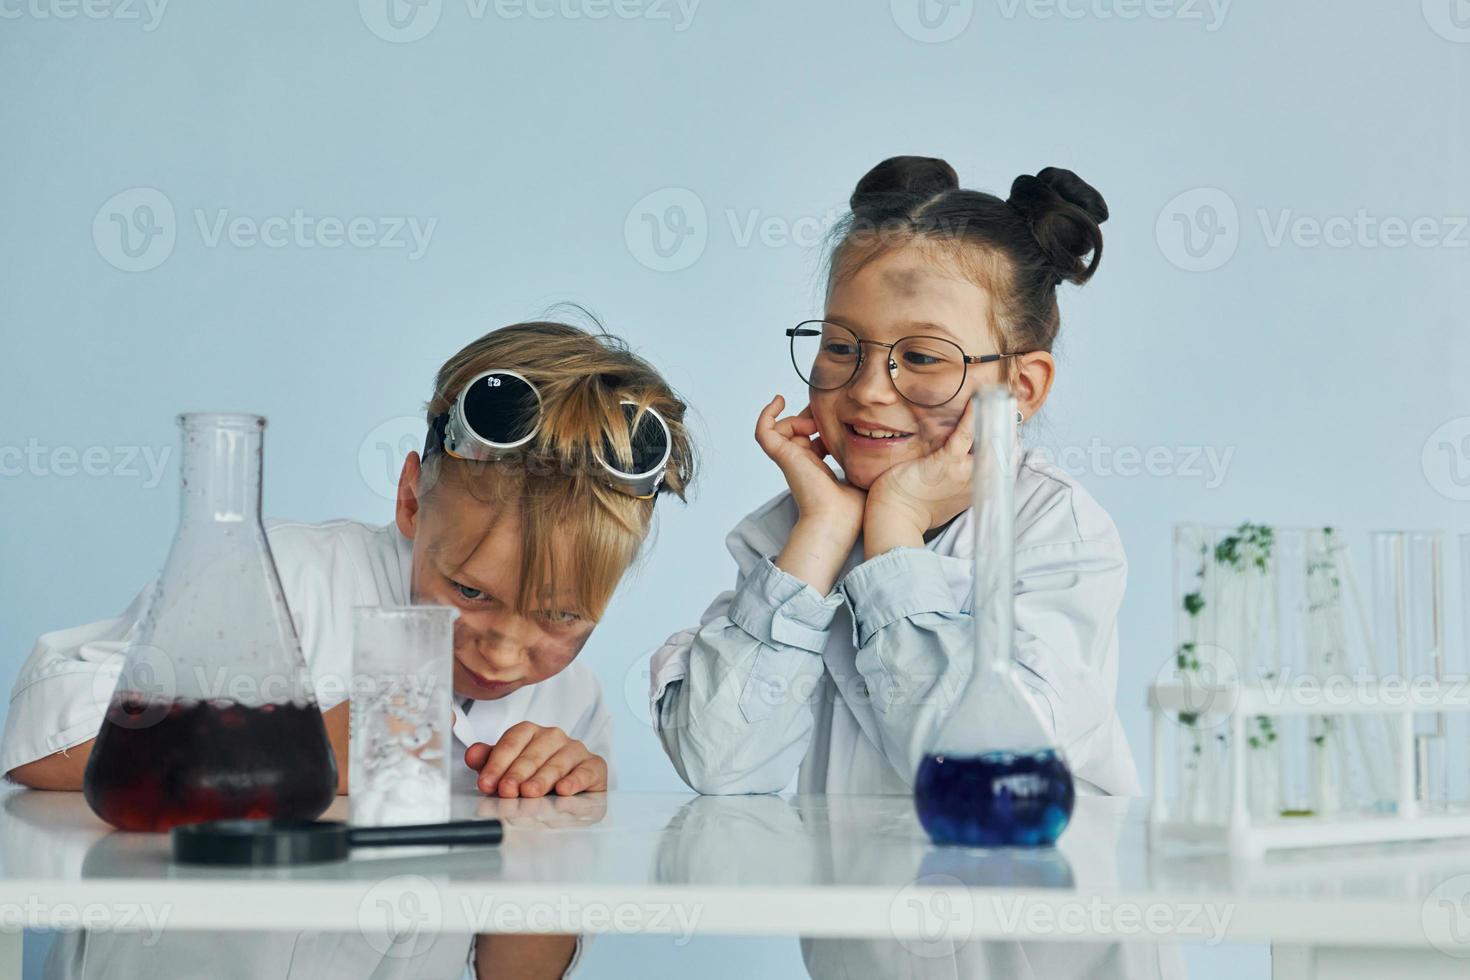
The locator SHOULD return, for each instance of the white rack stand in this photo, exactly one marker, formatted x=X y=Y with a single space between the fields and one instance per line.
x=1233 y=705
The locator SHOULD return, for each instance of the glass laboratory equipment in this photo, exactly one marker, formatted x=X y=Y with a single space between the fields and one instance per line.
x=1275 y=610
x=1408 y=593
x=213 y=715
x=992 y=777
x=1343 y=728
x=402 y=714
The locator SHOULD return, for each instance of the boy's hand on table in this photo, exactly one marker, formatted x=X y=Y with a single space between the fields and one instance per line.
x=531 y=761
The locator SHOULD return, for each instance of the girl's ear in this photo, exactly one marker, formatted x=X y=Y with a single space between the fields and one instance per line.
x=1031 y=379
x=409 y=500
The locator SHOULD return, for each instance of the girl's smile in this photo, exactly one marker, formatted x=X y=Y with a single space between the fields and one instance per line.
x=865 y=435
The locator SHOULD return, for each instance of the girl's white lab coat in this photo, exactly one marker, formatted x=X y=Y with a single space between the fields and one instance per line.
x=843 y=692
x=326 y=569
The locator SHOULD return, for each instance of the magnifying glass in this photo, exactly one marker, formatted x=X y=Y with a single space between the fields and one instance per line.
x=269 y=843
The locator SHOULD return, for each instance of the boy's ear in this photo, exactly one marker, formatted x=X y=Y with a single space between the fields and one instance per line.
x=409 y=502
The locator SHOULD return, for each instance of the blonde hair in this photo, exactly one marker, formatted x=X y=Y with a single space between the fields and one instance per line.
x=556 y=482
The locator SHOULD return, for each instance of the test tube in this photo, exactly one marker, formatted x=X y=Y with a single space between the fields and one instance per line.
x=1408 y=575
x=1461 y=664
x=1458 y=668
x=401 y=715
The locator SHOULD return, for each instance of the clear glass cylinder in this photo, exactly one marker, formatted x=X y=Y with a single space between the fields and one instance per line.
x=213 y=715
x=1464 y=569
x=992 y=775
x=1408 y=591
x=402 y=714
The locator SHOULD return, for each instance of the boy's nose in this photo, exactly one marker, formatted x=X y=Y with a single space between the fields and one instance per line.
x=493 y=648
x=501 y=653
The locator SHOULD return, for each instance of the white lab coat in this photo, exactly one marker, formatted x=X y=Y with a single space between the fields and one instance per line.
x=843 y=692
x=61 y=695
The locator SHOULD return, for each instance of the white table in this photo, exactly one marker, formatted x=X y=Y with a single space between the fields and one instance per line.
x=818 y=866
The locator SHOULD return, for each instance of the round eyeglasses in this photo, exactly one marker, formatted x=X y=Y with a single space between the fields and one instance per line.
x=926 y=371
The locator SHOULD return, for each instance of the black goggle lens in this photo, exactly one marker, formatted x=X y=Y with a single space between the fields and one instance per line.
x=650 y=441
x=501 y=408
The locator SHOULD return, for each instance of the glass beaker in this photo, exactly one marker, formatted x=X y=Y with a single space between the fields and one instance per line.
x=213 y=715
x=992 y=777
x=402 y=714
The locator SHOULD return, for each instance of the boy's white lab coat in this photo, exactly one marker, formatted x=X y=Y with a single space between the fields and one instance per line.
x=326 y=570
x=844 y=692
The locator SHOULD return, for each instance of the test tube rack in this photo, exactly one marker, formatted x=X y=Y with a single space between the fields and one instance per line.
x=1233 y=706
x=1288 y=599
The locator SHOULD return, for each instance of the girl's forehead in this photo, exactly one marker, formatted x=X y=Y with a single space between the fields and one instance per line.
x=902 y=290
x=905 y=281
x=917 y=266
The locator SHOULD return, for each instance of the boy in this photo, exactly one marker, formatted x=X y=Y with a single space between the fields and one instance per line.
x=528 y=544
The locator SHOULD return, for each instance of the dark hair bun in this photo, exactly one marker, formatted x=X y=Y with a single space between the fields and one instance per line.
x=903 y=180
x=1064 y=212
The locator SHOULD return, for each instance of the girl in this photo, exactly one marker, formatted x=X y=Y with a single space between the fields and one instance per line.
x=529 y=548
x=850 y=617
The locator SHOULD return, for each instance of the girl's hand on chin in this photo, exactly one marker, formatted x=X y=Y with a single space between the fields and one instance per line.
x=793 y=444
x=919 y=494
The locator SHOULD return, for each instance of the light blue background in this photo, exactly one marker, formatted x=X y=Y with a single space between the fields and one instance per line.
x=1325 y=371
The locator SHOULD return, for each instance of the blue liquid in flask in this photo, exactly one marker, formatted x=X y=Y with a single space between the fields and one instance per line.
x=995 y=799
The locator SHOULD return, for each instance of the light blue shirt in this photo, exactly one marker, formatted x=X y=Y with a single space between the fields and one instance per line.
x=846 y=691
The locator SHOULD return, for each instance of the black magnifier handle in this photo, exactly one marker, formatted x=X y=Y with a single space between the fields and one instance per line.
x=454 y=832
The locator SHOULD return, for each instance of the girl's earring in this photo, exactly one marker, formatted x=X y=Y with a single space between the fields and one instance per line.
x=1019 y=417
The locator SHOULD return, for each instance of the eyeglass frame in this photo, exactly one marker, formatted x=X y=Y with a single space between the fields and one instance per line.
x=966 y=359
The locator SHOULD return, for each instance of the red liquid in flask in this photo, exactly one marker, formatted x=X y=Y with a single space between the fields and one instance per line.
x=158 y=764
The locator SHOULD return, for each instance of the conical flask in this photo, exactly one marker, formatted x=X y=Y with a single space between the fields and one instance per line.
x=992 y=776
x=213 y=715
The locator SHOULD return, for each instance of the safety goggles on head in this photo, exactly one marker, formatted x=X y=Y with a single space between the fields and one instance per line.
x=498 y=414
